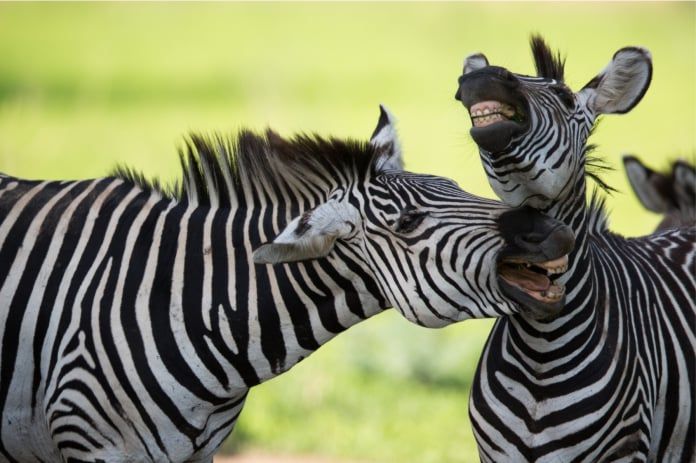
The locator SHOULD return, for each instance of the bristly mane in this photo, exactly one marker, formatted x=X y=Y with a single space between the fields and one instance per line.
x=547 y=65
x=595 y=166
x=217 y=170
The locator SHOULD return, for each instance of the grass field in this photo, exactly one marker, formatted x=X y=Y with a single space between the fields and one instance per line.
x=85 y=86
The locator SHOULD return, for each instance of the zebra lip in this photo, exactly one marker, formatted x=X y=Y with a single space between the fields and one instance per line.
x=494 y=130
x=495 y=137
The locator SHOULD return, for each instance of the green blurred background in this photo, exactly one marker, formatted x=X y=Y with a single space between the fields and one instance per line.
x=84 y=86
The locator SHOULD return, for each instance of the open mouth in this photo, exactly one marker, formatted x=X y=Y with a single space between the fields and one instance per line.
x=489 y=112
x=496 y=123
x=497 y=108
x=533 y=259
x=535 y=279
x=534 y=285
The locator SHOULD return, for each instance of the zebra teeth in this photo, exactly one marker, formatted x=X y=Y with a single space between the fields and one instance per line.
x=489 y=112
x=556 y=266
x=553 y=293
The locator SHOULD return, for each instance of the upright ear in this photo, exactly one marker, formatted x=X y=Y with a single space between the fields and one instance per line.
x=652 y=188
x=622 y=84
x=311 y=235
x=384 y=137
x=474 y=62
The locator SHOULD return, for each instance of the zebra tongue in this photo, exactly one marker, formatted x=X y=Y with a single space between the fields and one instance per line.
x=526 y=279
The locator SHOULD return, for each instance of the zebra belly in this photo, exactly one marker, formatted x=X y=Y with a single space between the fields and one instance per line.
x=133 y=429
x=78 y=433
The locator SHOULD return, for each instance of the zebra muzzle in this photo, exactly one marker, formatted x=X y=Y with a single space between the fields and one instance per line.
x=497 y=108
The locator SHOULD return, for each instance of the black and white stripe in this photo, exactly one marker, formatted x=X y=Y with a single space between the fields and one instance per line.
x=133 y=319
x=612 y=377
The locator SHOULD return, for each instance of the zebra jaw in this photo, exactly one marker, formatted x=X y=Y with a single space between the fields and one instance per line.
x=532 y=283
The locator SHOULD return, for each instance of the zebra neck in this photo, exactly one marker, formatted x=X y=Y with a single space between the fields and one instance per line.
x=580 y=317
x=248 y=323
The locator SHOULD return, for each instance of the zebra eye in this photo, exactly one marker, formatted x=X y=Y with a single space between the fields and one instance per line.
x=565 y=94
x=409 y=220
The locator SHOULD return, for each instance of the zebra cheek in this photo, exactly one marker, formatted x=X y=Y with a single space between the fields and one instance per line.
x=516 y=197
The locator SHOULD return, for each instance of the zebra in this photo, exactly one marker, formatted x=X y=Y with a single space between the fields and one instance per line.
x=135 y=317
x=611 y=377
x=672 y=194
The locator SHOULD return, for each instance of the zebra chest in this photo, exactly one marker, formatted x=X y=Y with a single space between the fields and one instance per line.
x=590 y=409
x=548 y=428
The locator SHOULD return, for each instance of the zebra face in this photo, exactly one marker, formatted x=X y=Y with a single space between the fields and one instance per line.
x=442 y=255
x=531 y=131
x=433 y=248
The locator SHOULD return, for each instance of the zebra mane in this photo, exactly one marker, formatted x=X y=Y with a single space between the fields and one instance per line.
x=218 y=170
x=547 y=64
x=595 y=166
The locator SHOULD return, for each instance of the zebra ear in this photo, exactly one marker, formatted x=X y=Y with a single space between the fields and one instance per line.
x=652 y=188
x=622 y=84
x=474 y=63
x=684 y=176
x=384 y=137
x=311 y=235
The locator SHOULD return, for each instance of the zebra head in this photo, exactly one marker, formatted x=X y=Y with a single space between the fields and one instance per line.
x=672 y=194
x=437 y=253
x=532 y=131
